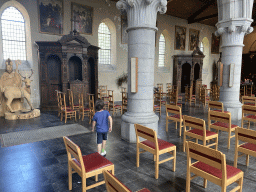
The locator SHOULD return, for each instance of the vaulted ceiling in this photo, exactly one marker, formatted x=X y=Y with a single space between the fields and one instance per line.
x=197 y=11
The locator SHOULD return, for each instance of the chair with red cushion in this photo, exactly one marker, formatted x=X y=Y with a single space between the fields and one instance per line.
x=85 y=166
x=247 y=100
x=157 y=102
x=68 y=112
x=247 y=148
x=114 y=185
x=198 y=131
x=173 y=113
x=153 y=145
x=111 y=104
x=222 y=123
x=211 y=165
x=216 y=106
x=248 y=114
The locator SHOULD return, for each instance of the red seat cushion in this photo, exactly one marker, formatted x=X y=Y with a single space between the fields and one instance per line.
x=175 y=116
x=225 y=125
x=86 y=109
x=161 y=144
x=200 y=132
x=94 y=161
x=249 y=146
x=231 y=171
x=144 y=190
x=70 y=110
x=251 y=116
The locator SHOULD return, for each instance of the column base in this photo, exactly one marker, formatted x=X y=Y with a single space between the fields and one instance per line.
x=235 y=108
x=128 y=121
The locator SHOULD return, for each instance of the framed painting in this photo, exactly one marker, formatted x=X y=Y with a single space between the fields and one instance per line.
x=193 y=39
x=215 y=44
x=124 y=25
x=51 y=16
x=180 y=38
x=82 y=18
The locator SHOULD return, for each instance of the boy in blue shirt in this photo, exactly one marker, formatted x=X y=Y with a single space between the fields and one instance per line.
x=103 y=122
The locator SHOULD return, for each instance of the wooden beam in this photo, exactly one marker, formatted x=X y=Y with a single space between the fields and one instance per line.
x=191 y=19
x=204 y=18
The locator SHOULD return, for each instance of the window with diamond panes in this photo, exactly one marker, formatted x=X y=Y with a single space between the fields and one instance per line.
x=13 y=34
x=161 y=51
x=104 y=43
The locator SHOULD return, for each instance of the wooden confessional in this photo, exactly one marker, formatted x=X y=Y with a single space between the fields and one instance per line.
x=70 y=63
x=187 y=70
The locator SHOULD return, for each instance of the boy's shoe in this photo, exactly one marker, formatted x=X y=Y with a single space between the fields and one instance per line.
x=104 y=153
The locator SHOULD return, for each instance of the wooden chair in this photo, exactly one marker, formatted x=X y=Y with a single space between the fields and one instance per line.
x=173 y=113
x=215 y=92
x=251 y=111
x=83 y=111
x=198 y=132
x=59 y=103
x=157 y=102
x=68 y=112
x=222 y=122
x=85 y=166
x=248 y=148
x=204 y=98
x=168 y=91
x=211 y=165
x=216 y=106
x=112 y=106
x=91 y=106
x=124 y=102
x=189 y=97
x=123 y=89
x=114 y=185
x=71 y=101
x=174 y=100
x=102 y=91
x=247 y=100
x=153 y=145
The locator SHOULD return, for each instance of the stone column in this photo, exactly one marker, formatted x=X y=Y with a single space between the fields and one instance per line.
x=141 y=16
x=234 y=20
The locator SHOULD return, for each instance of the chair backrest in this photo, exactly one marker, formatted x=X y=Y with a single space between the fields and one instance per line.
x=62 y=98
x=113 y=184
x=91 y=103
x=124 y=98
x=158 y=97
x=248 y=99
x=247 y=109
x=73 y=151
x=81 y=100
x=168 y=87
x=246 y=135
x=208 y=156
x=160 y=86
x=123 y=89
x=215 y=105
x=174 y=96
x=173 y=109
x=219 y=116
x=71 y=98
x=195 y=123
x=111 y=96
x=146 y=133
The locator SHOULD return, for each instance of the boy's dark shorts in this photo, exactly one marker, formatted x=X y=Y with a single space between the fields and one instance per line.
x=101 y=136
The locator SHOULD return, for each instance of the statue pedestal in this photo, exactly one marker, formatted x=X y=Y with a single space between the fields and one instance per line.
x=22 y=114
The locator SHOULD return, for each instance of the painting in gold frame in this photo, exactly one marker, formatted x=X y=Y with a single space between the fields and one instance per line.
x=180 y=38
x=193 y=39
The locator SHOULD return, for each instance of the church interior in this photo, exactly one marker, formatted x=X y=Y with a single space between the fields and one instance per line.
x=176 y=76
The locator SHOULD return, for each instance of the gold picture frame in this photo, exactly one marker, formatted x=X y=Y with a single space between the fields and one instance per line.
x=193 y=39
x=180 y=38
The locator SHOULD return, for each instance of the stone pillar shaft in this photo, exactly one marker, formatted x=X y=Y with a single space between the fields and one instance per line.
x=234 y=23
x=141 y=16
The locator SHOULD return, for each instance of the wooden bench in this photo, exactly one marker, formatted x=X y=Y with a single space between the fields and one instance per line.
x=211 y=165
x=173 y=113
x=198 y=132
x=248 y=148
x=248 y=114
x=114 y=185
x=222 y=122
x=85 y=166
x=153 y=145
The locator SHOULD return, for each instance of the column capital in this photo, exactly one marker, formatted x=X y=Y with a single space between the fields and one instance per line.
x=142 y=13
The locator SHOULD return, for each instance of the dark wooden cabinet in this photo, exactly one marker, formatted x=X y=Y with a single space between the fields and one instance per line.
x=70 y=63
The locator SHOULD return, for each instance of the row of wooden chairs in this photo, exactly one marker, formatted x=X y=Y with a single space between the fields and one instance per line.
x=215 y=92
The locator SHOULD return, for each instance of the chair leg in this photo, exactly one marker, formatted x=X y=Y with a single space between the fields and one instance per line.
x=188 y=181
x=240 y=183
x=157 y=167
x=236 y=157
x=205 y=183
x=184 y=141
x=248 y=124
x=174 y=161
x=229 y=136
x=166 y=125
x=176 y=125
x=247 y=160
x=66 y=117
x=242 y=123
x=69 y=178
x=138 y=157
x=83 y=184
x=216 y=146
x=96 y=178
x=180 y=127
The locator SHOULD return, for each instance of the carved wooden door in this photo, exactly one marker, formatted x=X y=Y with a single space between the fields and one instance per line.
x=54 y=79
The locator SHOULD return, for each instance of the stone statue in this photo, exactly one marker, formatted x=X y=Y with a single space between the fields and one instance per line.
x=12 y=94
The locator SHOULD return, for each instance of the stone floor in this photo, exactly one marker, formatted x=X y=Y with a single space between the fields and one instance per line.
x=42 y=166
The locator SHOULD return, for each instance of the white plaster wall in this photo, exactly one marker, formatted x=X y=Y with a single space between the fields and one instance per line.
x=102 y=11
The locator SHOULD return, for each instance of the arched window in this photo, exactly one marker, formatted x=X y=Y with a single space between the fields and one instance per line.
x=161 y=57
x=13 y=34
x=104 y=41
